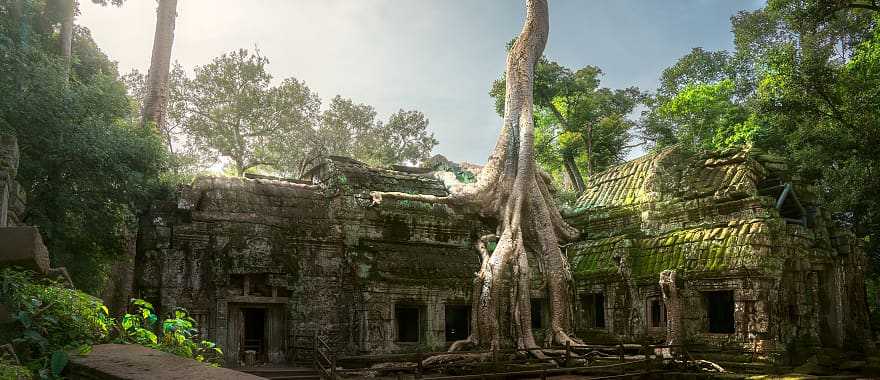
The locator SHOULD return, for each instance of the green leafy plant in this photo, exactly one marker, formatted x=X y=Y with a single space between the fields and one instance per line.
x=49 y=321
x=177 y=334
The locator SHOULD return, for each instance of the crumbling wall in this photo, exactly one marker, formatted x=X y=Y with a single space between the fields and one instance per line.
x=334 y=263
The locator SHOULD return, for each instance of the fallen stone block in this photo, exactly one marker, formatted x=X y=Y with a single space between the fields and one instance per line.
x=134 y=362
x=23 y=247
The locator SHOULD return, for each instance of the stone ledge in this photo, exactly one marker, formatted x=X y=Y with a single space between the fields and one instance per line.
x=134 y=362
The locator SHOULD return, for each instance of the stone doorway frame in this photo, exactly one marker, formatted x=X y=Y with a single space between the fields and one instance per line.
x=231 y=327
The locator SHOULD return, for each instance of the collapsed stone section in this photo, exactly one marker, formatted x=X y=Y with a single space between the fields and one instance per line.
x=264 y=264
x=760 y=266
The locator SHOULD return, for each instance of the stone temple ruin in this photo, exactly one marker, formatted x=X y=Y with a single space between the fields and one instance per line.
x=265 y=264
x=760 y=265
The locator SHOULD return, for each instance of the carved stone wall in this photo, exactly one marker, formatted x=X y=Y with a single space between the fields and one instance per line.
x=319 y=251
x=732 y=224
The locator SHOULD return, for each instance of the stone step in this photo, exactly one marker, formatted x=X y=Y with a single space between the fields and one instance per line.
x=284 y=373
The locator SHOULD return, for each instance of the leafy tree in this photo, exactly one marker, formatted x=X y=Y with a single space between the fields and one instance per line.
x=232 y=109
x=578 y=124
x=185 y=158
x=86 y=169
x=511 y=189
x=803 y=82
x=706 y=116
x=351 y=129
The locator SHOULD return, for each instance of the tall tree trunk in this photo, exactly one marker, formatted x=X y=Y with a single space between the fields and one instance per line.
x=66 y=37
x=512 y=190
x=573 y=172
x=571 y=169
x=160 y=64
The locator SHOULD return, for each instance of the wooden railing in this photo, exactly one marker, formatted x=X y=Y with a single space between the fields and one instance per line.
x=644 y=365
x=325 y=358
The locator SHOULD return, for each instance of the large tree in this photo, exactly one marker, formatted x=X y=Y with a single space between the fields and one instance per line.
x=234 y=111
x=160 y=64
x=512 y=190
x=68 y=10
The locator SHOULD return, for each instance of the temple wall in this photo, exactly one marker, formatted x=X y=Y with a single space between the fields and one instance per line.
x=326 y=259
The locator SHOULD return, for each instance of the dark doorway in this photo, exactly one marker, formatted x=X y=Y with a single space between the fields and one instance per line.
x=719 y=309
x=537 y=313
x=458 y=322
x=254 y=331
x=593 y=306
x=408 y=321
x=657 y=312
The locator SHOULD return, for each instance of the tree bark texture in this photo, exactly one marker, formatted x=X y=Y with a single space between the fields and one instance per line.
x=66 y=37
x=512 y=190
x=160 y=64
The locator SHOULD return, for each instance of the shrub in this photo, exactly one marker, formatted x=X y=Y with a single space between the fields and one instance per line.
x=48 y=321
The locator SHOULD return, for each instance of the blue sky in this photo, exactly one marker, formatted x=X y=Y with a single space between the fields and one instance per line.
x=437 y=56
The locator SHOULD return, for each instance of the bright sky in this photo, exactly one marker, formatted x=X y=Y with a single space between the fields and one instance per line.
x=437 y=56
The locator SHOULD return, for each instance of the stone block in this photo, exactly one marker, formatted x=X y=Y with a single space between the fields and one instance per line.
x=134 y=362
x=23 y=246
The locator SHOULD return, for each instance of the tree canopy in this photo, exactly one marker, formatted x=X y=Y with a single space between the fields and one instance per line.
x=230 y=109
x=578 y=123
x=802 y=81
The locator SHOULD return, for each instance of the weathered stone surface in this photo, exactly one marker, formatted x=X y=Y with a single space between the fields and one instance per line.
x=313 y=257
x=300 y=258
x=23 y=246
x=135 y=362
x=733 y=221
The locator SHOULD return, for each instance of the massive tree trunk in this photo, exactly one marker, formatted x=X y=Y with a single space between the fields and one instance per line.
x=66 y=37
x=512 y=190
x=160 y=64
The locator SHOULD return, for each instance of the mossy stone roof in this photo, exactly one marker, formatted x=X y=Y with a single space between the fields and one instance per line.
x=690 y=212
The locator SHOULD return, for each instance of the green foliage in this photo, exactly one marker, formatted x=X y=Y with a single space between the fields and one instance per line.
x=573 y=115
x=803 y=81
x=706 y=116
x=230 y=111
x=350 y=129
x=87 y=169
x=12 y=371
x=50 y=321
x=177 y=334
